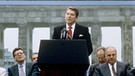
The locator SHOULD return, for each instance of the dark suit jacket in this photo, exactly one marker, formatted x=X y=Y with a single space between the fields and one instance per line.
x=133 y=72
x=92 y=69
x=79 y=30
x=103 y=69
x=31 y=70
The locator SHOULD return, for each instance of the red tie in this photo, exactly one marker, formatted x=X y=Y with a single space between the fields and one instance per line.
x=70 y=32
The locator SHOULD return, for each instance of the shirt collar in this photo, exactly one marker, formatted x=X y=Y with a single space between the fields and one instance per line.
x=113 y=64
x=22 y=64
x=73 y=26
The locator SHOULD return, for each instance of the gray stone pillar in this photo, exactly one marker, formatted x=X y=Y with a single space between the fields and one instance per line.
x=51 y=30
x=96 y=34
x=2 y=28
x=127 y=41
x=24 y=39
x=29 y=41
x=96 y=39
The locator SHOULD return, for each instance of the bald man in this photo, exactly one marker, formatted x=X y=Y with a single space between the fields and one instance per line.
x=101 y=59
x=112 y=67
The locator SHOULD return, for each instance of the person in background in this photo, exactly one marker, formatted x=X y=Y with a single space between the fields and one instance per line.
x=112 y=67
x=2 y=71
x=22 y=68
x=34 y=57
x=72 y=30
x=101 y=59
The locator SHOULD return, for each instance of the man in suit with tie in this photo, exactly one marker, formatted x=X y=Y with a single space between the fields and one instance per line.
x=101 y=59
x=75 y=31
x=22 y=68
x=112 y=67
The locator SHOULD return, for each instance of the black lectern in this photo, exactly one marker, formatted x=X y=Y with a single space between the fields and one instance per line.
x=63 y=58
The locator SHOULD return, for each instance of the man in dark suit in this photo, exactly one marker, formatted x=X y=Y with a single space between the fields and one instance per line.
x=22 y=68
x=101 y=59
x=77 y=31
x=112 y=67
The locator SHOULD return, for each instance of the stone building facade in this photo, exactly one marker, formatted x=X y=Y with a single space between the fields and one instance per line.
x=27 y=17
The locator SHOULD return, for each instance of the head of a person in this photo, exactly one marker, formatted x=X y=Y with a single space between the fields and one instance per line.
x=111 y=55
x=101 y=55
x=71 y=15
x=19 y=55
x=34 y=57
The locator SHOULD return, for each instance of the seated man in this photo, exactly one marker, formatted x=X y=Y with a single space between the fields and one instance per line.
x=112 y=67
x=101 y=59
x=22 y=68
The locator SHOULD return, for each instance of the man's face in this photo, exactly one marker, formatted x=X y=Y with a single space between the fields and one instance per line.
x=101 y=56
x=70 y=17
x=19 y=56
x=34 y=57
x=111 y=55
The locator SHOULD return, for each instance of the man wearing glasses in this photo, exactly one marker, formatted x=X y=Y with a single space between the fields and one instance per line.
x=22 y=68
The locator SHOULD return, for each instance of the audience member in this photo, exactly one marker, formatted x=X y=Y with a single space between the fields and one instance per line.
x=34 y=57
x=2 y=72
x=73 y=29
x=112 y=67
x=101 y=59
x=22 y=68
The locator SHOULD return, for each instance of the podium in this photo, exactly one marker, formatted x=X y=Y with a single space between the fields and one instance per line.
x=63 y=58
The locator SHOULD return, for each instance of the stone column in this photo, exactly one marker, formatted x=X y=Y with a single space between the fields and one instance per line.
x=96 y=35
x=2 y=28
x=127 y=41
x=96 y=40
x=24 y=39
x=52 y=30
x=29 y=40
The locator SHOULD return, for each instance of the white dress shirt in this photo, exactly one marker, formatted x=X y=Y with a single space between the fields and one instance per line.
x=24 y=67
x=110 y=67
x=73 y=27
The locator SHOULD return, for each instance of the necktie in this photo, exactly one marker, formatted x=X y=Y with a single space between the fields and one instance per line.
x=70 y=32
x=113 y=70
x=21 y=71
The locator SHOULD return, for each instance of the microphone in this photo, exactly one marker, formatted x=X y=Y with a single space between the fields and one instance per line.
x=64 y=34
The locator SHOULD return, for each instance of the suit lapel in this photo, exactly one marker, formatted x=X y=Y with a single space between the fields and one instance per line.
x=119 y=68
x=75 y=34
x=107 y=70
x=27 y=68
x=16 y=71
